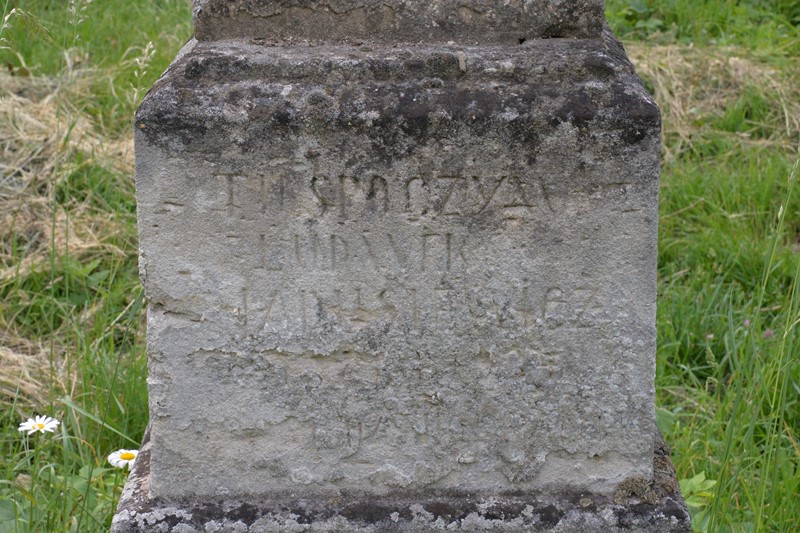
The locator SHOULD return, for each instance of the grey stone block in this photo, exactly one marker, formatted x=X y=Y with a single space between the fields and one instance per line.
x=392 y=21
x=644 y=507
x=399 y=270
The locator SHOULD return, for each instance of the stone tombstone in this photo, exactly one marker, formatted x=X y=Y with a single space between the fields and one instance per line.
x=400 y=260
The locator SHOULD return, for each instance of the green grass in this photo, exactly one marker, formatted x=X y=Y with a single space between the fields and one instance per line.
x=727 y=360
x=766 y=26
x=105 y=36
x=728 y=375
x=73 y=313
x=728 y=79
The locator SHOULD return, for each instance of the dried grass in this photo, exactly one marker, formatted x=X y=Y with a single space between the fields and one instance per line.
x=26 y=373
x=39 y=131
x=693 y=85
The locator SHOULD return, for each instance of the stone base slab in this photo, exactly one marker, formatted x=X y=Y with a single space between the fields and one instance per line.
x=640 y=506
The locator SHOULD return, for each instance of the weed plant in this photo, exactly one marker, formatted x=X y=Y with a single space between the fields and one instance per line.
x=727 y=76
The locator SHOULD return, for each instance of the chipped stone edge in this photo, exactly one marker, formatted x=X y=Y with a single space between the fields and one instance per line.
x=638 y=505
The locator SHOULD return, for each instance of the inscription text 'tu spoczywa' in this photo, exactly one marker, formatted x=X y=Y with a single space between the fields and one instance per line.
x=353 y=197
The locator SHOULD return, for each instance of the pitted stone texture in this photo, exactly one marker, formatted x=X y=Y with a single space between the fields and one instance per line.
x=408 y=269
x=392 y=21
x=662 y=510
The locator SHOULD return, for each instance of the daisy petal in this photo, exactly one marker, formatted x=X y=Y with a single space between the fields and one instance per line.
x=123 y=458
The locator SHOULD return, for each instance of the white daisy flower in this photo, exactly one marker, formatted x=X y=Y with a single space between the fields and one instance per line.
x=40 y=424
x=122 y=458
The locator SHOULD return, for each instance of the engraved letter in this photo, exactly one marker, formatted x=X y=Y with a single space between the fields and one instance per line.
x=416 y=196
x=554 y=306
x=322 y=190
x=449 y=197
x=401 y=257
x=378 y=195
x=340 y=251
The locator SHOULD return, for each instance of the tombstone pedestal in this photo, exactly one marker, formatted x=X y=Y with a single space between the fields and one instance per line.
x=397 y=282
x=644 y=506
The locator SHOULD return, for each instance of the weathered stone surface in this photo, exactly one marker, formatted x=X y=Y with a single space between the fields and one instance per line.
x=392 y=21
x=379 y=271
x=655 y=507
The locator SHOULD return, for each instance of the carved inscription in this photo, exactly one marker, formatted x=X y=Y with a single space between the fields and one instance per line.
x=428 y=252
x=406 y=415
x=348 y=252
x=470 y=196
x=351 y=197
x=355 y=307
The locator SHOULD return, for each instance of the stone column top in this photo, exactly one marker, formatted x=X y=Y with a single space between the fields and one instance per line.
x=468 y=22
